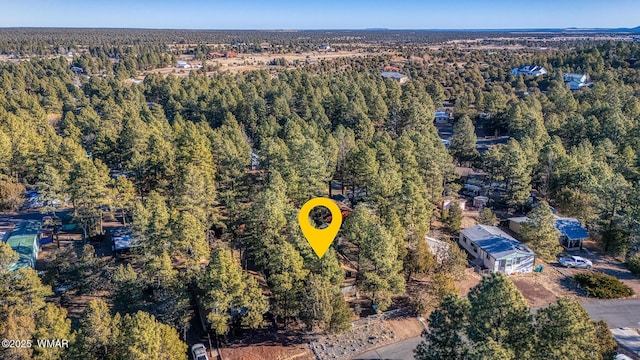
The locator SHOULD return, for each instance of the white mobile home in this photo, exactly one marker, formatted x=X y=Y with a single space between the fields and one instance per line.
x=495 y=250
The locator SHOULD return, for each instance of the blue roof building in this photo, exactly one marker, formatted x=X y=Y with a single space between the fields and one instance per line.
x=572 y=233
x=495 y=250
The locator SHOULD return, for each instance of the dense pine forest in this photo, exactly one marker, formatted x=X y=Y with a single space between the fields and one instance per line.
x=212 y=169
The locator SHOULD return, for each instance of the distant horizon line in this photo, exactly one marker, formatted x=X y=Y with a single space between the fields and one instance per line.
x=570 y=28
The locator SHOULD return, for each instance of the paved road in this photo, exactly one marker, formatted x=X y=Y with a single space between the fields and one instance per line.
x=402 y=350
x=617 y=313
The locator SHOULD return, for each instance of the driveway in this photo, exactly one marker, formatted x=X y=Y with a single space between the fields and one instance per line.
x=402 y=350
x=617 y=313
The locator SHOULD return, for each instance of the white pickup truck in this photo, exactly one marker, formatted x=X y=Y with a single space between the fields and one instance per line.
x=575 y=262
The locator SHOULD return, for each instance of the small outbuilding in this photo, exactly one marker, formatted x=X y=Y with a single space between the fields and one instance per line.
x=572 y=233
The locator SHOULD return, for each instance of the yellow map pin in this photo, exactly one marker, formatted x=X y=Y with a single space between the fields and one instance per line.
x=320 y=239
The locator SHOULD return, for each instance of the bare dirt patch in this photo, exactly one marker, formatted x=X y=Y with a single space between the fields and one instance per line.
x=534 y=291
x=471 y=279
x=268 y=352
x=406 y=328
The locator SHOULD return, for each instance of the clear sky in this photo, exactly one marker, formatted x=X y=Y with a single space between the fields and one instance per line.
x=314 y=14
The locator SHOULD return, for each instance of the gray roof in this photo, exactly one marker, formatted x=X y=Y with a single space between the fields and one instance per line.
x=496 y=242
x=393 y=75
x=519 y=219
x=569 y=77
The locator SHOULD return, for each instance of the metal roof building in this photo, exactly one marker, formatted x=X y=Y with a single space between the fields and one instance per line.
x=495 y=250
x=572 y=233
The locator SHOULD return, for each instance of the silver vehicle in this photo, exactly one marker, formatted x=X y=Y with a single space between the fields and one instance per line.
x=199 y=352
x=575 y=262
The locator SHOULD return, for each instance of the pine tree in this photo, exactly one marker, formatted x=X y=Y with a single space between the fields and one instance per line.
x=487 y=217
x=141 y=336
x=490 y=349
x=454 y=217
x=88 y=188
x=230 y=295
x=443 y=339
x=608 y=347
x=540 y=232
x=463 y=141
x=94 y=338
x=500 y=313
x=51 y=323
x=565 y=331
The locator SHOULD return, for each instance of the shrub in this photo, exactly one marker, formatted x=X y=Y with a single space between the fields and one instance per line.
x=603 y=286
x=634 y=264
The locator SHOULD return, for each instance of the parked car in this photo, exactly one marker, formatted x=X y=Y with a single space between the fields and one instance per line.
x=575 y=262
x=199 y=352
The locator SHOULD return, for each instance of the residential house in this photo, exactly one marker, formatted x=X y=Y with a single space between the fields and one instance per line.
x=230 y=54
x=572 y=232
x=575 y=81
x=442 y=117
x=183 y=65
x=393 y=75
x=215 y=55
x=495 y=250
x=530 y=70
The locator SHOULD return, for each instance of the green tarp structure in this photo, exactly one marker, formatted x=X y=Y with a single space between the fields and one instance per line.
x=24 y=241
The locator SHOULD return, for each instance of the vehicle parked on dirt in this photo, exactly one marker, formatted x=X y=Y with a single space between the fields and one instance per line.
x=199 y=352
x=575 y=262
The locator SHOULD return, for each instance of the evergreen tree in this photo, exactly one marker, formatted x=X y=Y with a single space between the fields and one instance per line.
x=500 y=313
x=463 y=141
x=487 y=217
x=454 y=217
x=230 y=295
x=443 y=339
x=51 y=323
x=564 y=331
x=490 y=349
x=540 y=232
x=94 y=338
x=141 y=336
x=88 y=188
